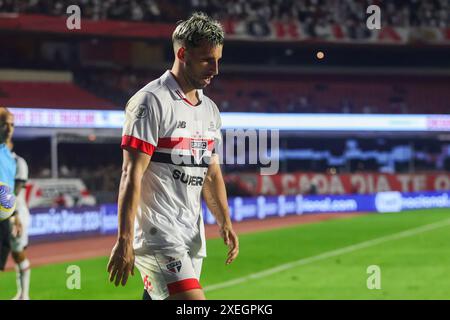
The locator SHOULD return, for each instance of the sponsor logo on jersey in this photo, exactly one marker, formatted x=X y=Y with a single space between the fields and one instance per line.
x=198 y=149
x=181 y=124
x=187 y=179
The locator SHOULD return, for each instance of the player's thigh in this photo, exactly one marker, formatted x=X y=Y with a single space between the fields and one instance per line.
x=18 y=256
x=194 y=294
x=197 y=264
x=166 y=276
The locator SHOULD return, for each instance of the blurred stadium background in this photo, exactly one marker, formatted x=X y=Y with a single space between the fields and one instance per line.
x=364 y=129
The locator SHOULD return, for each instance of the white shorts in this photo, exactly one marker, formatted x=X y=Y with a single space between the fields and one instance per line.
x=166 y=275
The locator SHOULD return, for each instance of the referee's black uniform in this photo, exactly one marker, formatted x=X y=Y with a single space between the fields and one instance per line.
x=5 y=246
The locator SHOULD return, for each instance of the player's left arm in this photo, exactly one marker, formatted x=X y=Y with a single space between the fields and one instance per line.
x=215 y=195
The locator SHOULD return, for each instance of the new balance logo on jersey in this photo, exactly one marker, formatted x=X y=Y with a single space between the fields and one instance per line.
x=187 y=179
x=181 y=124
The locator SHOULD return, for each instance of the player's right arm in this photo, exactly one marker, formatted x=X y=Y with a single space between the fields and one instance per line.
x=139 y=140
x=121 y=262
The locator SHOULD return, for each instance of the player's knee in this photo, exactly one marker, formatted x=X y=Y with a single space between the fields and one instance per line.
x=15 y=256
x=18 y=257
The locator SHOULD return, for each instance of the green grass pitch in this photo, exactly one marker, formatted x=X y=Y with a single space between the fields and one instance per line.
x=416 y=266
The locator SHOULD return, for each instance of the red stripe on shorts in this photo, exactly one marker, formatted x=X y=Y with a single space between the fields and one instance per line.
x=183 y=285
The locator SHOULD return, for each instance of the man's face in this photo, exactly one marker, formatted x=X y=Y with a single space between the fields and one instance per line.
x=202 y=64
x=6 y=127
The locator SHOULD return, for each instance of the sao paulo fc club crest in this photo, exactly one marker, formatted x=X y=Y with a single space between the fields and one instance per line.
x=173 y=266
x=198 y=150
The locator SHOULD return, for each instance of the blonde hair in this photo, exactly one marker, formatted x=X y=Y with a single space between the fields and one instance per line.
x=198 y=27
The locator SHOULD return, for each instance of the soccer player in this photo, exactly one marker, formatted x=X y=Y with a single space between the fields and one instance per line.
x=7 y=174
x=19 y=230
x=169 y=141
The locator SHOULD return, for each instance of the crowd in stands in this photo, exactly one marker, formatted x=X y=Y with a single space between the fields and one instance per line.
x=259 y=93
x=314 y=14
x=255 y=93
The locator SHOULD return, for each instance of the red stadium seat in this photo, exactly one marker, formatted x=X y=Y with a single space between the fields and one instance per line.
x=49 y=95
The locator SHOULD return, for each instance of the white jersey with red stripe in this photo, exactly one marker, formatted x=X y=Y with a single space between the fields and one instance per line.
x=180 y=138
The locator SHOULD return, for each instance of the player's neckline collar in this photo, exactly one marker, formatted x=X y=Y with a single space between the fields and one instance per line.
x=173 y=85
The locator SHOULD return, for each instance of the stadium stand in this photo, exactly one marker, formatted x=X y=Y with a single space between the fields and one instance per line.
x=319 y=62
x=315 y=13
x=232 y=93
x=106 y=69
x=49 y=95
x=46 y=89
x=113 y=79
x=299 y=93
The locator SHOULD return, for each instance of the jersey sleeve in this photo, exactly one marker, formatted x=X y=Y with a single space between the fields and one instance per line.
x=141 y=128
x=21 y=170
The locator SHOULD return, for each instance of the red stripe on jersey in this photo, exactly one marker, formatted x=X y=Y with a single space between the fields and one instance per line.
x=135 y=143
x=183 y=285
x=185 y=99
x=181 y=143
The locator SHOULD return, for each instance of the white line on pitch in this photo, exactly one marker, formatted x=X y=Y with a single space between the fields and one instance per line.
x=329 y=254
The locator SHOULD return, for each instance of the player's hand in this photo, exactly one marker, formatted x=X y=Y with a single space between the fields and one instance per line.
x=16 y=226
x=121 y=262
x=231 y=240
